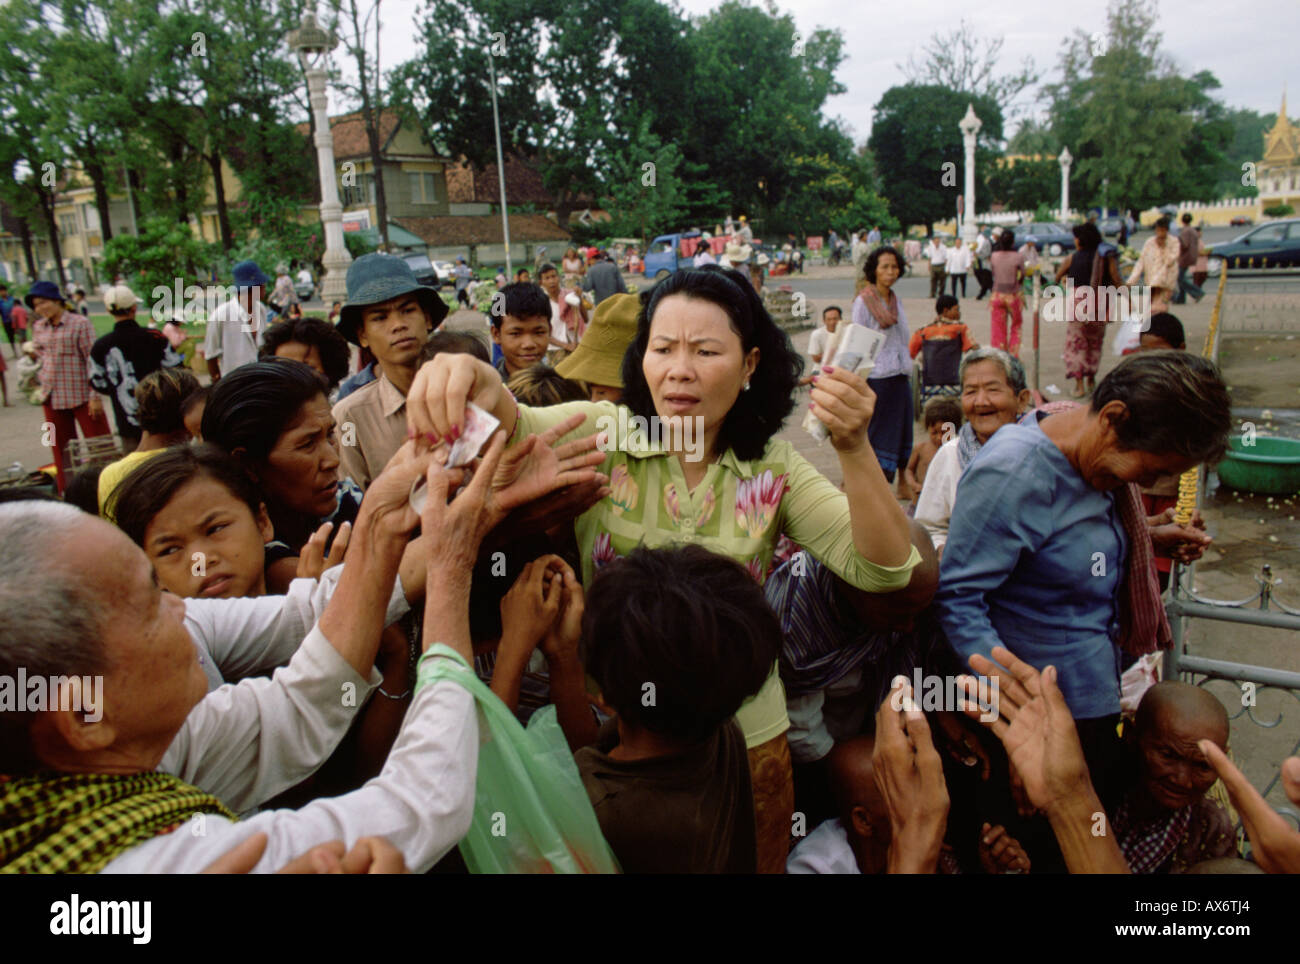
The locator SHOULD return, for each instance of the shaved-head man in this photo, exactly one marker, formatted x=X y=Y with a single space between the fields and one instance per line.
x=1165 y=823
x=857 y=840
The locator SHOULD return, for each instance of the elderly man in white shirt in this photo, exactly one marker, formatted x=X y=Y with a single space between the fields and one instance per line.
x=993 y=394
x=105 y=790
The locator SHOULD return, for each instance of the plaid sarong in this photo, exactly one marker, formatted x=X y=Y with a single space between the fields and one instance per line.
x=77 y=823
x=1148 y=847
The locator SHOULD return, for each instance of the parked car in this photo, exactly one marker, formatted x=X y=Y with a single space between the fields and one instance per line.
x=1055 y=239
x=1241 y=221
x=664 y=255
x=423 y=269
x=305 y=290
x=445 y=269
x=1110 y=227
x=1272 y=245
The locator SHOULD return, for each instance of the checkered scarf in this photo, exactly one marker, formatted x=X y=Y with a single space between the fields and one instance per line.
x=1144 y=625
x=1148 y=846
x=76 y=823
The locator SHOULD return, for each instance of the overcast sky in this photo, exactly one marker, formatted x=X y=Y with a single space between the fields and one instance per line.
x=1251 y=54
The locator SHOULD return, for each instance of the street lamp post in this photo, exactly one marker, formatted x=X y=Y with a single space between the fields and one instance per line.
x=1065 y=160
x=970 y=126
x=312 y=45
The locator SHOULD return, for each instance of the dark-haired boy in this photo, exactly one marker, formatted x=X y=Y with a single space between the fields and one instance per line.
x=675 y=639
x=1163 y=331
x=522 y=329
x=391 y=314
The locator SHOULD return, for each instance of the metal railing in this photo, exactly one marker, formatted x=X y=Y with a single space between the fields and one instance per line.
x=1262 y=608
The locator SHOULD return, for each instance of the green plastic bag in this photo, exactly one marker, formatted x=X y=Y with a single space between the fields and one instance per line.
x=531 y=811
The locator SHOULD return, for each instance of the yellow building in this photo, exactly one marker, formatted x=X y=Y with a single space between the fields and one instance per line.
x=1278 y=173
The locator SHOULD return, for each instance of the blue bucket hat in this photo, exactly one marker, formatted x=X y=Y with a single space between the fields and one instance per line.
x=376 y=278
x=248 y=275
x=43 y=289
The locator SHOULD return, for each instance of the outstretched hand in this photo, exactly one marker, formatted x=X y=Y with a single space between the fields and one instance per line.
x=1274 y=843
x=909 y=774
x=1035 y=726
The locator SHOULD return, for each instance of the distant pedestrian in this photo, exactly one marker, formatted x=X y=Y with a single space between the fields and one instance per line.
x=1158 y=262
x=235 y=328
x=957 y=265
x=984 y=276
x=6 y=316
x=120 y=360
x=79 y=303
x=63 y=340
x=1008 y=270
x=1189 y=249
x=603 y=279
x=463 y=276
x=937 y=255
x=878 y=307
x=1092 y=268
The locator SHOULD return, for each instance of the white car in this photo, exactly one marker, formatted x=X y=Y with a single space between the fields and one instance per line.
x=445 y=276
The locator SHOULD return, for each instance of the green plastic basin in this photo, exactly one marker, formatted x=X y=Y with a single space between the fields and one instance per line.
x=1271 y=466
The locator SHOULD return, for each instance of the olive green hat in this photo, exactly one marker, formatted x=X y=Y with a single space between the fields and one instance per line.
x=598 y=359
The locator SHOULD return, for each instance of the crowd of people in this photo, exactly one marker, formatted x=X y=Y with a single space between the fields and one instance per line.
x=738 y=652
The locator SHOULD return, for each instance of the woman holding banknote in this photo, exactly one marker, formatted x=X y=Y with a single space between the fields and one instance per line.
x=713 y=377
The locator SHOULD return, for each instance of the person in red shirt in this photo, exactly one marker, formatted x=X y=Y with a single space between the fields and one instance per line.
x=947 y=324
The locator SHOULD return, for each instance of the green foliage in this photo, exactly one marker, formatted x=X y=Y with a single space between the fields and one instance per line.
x=270 y=228
x=1278 y=211
x=357 y=244
x=1023 y=185
x=163 y=251
x=645 y=187
x=1141 y=133
x=915 y=138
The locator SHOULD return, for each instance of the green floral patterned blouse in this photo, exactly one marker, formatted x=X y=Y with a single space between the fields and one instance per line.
x=740 y=509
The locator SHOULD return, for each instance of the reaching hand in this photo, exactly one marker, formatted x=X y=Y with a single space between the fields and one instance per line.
x=844 y=403
x=1001 y=853
x=388 y=498
x=537 y=466
x=313 y=561
x=453 y=531
x=909 y=775
x=561 y=640
x=443 y=387
x=1035 y=726
x=530 y=607
x=1274 y=843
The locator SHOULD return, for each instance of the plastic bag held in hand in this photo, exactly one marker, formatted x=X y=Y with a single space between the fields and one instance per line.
x=528 y=789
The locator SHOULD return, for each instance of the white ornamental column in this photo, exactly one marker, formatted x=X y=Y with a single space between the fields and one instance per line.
x=1065 y=160
x=970 y=126
x=312 y=45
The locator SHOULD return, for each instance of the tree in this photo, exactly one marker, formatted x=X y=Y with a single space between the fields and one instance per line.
x=1023 y=184
x=645 y=187
x=918 y=148
x=964 y=62
x=759 y=90
x=1141 y=134
x=163 y=251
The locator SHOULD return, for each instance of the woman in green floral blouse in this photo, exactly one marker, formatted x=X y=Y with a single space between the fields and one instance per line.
x=709 y=362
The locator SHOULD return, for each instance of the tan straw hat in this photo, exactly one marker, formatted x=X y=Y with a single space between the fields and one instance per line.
x=598 y=359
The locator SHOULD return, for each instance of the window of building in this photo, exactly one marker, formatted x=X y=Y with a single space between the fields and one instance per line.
x=361 y=193
x=424 y=187
x=67 y=224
